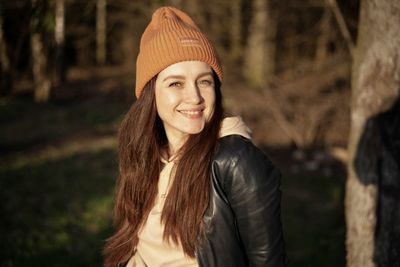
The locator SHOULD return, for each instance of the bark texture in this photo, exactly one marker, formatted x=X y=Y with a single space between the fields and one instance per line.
x=375 y=87
x=101 y=32
x=59 y=36
x=260 y=50
x=41 y=78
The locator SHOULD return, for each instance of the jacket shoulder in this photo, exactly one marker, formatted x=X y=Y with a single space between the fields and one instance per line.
x=250 y=184
x=239 y=161
x=233 y=148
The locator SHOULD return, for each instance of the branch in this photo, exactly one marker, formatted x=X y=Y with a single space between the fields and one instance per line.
x=280 y=119
x=342 y=25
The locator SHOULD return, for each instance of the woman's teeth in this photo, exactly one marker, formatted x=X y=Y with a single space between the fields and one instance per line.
x=191 y=112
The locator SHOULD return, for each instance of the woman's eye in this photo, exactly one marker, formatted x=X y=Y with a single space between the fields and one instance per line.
x=205 y=82
x=176 y=84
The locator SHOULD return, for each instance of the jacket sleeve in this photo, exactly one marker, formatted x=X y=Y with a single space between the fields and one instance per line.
x=252 y=189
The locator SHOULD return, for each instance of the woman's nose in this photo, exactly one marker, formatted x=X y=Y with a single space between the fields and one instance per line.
x=193 y=95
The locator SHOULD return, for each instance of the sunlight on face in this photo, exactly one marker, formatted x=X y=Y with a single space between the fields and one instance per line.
x=185 y=98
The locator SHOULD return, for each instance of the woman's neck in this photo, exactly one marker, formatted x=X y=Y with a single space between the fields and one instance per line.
x=175 y=143
x=172 y=150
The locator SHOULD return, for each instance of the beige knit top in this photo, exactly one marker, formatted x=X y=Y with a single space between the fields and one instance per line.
x=151 y=250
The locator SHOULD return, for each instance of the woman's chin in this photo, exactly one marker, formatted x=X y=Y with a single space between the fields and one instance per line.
x=193 y=128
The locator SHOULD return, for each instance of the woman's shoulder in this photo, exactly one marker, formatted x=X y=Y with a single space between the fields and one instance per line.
x=240 y=168
x=236 y=149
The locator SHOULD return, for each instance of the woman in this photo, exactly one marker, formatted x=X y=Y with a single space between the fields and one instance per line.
x=193 y=190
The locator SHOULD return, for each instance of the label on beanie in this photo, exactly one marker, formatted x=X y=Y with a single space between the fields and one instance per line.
x=190 y=41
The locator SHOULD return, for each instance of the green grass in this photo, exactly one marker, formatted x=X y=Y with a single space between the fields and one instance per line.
x=57 y=213
x=312 y=211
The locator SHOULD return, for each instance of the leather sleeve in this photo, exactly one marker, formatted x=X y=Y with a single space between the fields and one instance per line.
x=252 y=189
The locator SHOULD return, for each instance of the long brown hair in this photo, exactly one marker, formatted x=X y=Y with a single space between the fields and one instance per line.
x=141 y=141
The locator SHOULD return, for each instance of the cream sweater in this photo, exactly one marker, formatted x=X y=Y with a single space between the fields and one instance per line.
x=151 y=250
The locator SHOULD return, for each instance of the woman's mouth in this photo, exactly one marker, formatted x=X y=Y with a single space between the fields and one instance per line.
x=192 y=114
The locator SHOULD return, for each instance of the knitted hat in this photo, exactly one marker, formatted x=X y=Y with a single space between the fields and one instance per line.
x=172 y=37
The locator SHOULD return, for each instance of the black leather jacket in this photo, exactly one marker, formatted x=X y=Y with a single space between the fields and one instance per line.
x=243 y=221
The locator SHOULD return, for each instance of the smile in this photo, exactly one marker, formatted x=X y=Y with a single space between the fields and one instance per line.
x=192 y=113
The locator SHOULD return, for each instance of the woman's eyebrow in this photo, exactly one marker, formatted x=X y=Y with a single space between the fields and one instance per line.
x=181 y=77
x=204 y=74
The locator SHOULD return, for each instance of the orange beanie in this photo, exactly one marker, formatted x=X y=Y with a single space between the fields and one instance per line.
x=172 y=37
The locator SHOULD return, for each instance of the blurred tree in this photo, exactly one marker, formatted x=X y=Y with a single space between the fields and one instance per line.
x=41 y=79
x=324 y=37
x=259 y=62
x=304 y=95
x=5 y=75
x=101 y=34
x=194 y=8
x=235 y=30
x=81 y=32
x=301 y=107
x=375 y=86
x=59 y=67
x=342 y=25
x=175 y=3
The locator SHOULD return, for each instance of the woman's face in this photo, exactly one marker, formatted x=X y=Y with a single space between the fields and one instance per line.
x=185 y=98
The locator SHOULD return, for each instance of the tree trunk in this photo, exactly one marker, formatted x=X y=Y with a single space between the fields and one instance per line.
x=235 y=30
x=39 y=61
x=59 y=68
x=101 y=32
x=260 y=50
x=39 y=65
x=375 y=86
x=5 y=73
x=323 y=39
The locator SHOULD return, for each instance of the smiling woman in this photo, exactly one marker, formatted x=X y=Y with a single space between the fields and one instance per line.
x=193 y=190
x=185 y=98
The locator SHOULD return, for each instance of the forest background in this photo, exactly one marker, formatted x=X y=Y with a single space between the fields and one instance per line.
x=67 y=77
